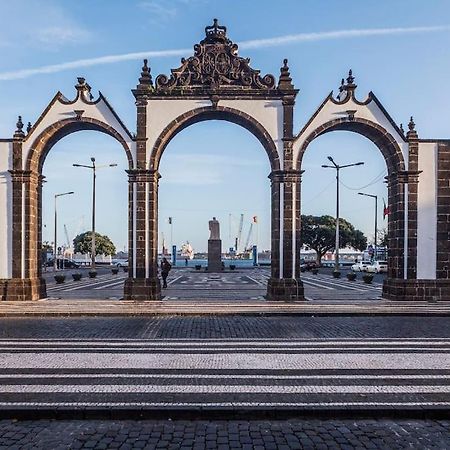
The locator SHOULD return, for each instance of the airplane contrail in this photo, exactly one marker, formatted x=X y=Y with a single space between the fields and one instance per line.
x=251 y=44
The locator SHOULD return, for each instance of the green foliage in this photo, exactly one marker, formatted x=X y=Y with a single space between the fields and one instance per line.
x=103 y=245
x=319 y=233
x=382 y=237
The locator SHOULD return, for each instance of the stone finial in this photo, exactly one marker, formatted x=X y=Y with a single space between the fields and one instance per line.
x=84 y=88
x=341 y=90
x=402 y=129
x=19 y=128
x=285 y=81
x=350 y=78
x=146 y=77
x=412 y=133
x=29 y=126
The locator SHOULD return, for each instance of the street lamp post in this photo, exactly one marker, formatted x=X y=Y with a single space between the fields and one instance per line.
x=55 y=245
x=337 y=167
x=376 y=222
x=94 y=168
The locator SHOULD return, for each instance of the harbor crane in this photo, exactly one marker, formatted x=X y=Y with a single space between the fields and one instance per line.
x=239 y=236
x=246 y=248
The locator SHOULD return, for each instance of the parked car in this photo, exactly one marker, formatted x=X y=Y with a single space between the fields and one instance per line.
x=308 y=265
x=378 y=267
x=121 y=263
x=63 y=263
x=360 y=266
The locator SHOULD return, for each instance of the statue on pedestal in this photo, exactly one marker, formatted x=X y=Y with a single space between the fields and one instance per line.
x=214 y=247
x=214 y=228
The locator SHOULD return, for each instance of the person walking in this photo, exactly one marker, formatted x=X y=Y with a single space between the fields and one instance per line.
x=165 y=269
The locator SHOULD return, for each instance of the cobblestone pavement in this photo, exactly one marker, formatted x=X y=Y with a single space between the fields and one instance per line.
x=243 y=284
x=213 y=362
x=224 y=435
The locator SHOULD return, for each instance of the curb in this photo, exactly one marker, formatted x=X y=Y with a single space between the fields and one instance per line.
x=205 y=413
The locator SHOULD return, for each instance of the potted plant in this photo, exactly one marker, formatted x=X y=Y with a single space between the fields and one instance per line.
x=60 y=278
x=351 y=276
x=367 y=278
x=198 y=267
x=336 y=274
x=76 y=276
x=315 y=271
x=232 y=266
x=115 y=270
x=92 y=273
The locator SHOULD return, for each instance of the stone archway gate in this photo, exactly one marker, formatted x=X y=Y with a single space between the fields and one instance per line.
x=217 y=84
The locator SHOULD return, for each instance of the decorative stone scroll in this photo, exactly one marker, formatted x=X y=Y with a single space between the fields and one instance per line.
x=215 y=64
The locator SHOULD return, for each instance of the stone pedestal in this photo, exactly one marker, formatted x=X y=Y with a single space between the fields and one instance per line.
x=214 y=255
x=285 y=289
x=141 y=289
x=416 y=290
x=22 y=289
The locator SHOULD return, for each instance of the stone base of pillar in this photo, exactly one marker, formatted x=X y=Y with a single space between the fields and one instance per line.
x=285 y=289
x=416 y=290
x=22 y=289
x=214 y=255
x=142 y=289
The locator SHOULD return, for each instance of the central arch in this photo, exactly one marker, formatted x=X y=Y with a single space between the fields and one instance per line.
x=218 y=113
x=192 y=117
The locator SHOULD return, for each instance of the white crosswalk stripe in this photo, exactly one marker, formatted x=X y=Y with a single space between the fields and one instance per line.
x=168 y=373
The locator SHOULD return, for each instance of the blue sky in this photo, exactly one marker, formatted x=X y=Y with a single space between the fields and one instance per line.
x=208 y=166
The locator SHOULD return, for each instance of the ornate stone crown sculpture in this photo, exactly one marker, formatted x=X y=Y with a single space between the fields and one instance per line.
x=215 y=64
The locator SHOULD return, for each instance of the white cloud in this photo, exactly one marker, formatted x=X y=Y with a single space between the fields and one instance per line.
x=48 y=27
x=256 y=43
x=59 y=36
x=159 y=11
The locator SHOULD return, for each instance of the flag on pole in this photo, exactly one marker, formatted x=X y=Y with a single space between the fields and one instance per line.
x=170 y=220
x=255 y=219
x=385 y=210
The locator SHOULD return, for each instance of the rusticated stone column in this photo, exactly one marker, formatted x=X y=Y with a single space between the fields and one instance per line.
x=401 y=283
x=27 y=283
x=143 y=282
x=285 y=283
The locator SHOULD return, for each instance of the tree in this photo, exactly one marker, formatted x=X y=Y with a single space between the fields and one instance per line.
x=103 y=244
x=319 y=233
x=382 y=237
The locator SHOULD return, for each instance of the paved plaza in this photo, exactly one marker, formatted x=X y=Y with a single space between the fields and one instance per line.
x=179 y=375
x=242 y=284
x=227 y=362
x=223 y=435
x=236 y=368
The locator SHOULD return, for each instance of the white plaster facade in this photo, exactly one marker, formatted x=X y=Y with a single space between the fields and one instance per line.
x=5 y=210
x=427 y=212
x=269 y=113
x=60 y=109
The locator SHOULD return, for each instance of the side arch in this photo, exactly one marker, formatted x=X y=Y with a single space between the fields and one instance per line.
x=51 y=135
x=31 y=215
x=219 y=113
x=386 y=143
x=395 y=162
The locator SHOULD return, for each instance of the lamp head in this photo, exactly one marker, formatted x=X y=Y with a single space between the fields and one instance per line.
x=93 y=159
